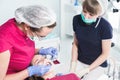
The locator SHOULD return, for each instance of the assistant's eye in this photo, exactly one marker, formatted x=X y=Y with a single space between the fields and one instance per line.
x=84 y=11
x=91 y=14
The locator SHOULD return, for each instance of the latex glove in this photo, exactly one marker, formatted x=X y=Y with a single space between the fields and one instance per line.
x=38 y=69
x=82 y=72
x=49 y=51
x=73 y=66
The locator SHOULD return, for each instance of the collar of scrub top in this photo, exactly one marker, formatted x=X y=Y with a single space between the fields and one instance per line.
x=98 y=22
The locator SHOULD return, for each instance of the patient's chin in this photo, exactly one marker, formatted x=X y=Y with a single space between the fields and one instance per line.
x=49 y=74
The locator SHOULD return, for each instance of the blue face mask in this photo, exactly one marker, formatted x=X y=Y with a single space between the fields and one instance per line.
x=51 y=36
x=88 y=21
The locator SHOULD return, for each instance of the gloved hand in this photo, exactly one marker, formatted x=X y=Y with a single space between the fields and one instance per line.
x=38 y=69
x=73 y=66
x=49 y=51
x=82 y=72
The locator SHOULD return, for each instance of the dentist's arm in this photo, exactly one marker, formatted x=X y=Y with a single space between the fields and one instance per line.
x=4 y=61
x=31 y=70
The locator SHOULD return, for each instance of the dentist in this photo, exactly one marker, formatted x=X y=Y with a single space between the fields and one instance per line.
x=16 y=45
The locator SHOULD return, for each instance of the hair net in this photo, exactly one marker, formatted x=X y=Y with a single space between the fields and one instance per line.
x=35 y=16
x=104 y=5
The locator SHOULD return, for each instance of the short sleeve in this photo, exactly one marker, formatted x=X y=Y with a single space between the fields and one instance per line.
x=4 y=45
x=74 y=23
x=106 y=31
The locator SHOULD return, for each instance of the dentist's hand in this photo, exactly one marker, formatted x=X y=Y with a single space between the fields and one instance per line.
x=49 y=51
x=39 y=70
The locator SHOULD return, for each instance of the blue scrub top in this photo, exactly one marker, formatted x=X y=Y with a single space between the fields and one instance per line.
x=90 y=38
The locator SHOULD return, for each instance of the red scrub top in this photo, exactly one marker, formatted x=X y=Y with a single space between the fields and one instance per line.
x=21 y=48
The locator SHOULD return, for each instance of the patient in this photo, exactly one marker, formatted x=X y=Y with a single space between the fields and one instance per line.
x=51 y=75
x=41 y=60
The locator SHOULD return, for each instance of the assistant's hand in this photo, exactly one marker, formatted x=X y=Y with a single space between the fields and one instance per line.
x=49 y=51
x=73 y=66
x=82 y=72
x=38 y=69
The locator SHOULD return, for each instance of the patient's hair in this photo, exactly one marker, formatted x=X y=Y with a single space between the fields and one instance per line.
x=35 y=78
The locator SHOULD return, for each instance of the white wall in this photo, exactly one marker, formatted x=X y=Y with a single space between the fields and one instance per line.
x=64 y=9
x=7 y=8
x=68 y=10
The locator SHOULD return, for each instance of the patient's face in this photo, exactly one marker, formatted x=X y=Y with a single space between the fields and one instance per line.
x=40 y=60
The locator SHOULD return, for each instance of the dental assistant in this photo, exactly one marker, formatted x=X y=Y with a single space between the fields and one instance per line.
x=16 y=46
x=92 y=40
